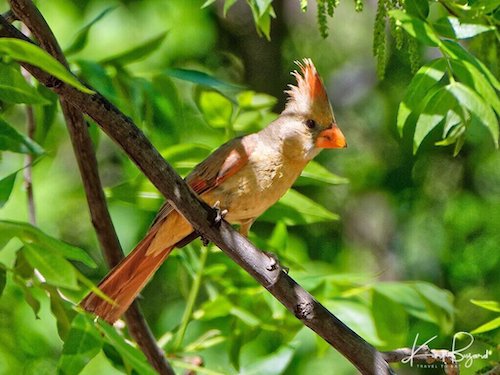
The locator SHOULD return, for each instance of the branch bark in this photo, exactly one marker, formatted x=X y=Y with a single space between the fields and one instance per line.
x=83 y=147
x=261 y=267
x=425 y=355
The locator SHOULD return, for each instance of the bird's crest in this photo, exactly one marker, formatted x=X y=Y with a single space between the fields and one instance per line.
x=309 y=96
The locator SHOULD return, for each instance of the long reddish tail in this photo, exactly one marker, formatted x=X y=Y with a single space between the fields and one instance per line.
x=125 y=281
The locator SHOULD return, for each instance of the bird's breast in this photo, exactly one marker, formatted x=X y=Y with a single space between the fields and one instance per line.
x=257 y=186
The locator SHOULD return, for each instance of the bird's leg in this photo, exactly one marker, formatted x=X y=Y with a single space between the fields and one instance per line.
x=245 y=226
x=215 y=221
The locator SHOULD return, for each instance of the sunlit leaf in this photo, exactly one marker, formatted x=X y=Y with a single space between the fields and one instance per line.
x=62 y=311
x=296 y=209
x=216 y=109
x=251 y=100
x=416 y=27
x=32 y=301
x=15 y=89
x=488 y=305
x=417 y=8
x=315 y=174
x=203 y=79
x=477 y=106
x=432 y=115
x=426 y=78
x=82 y=344
x=81 y=37
x=134 y=357
x=273 y=364
x=391 y=319
x=23 y=51
x=452 y=27
x=29 y=234
x=56 y=270
x=12 y=140
x=470 y=75
x=6 y=186
x=486 y=327
x=137 y=53
x=458 y=52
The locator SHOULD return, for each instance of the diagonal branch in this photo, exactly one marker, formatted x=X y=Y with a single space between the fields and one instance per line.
x=261 y=267
x=26 y=11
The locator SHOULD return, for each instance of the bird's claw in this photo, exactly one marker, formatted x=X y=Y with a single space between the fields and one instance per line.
x=275 y=263
x=216 y=220
x=219 y=213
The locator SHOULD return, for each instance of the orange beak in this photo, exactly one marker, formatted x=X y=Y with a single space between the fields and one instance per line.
x=331 y=138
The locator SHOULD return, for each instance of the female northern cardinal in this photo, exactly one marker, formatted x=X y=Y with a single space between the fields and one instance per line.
x=245 y=176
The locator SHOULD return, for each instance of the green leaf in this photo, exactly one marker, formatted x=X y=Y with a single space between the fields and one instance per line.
x=407 y=296
x=62 y=311
x=206 y=340
x=417 y=8
x=216 y=109
x=56 y=270
x=3 y=278
x=250 y=100
x=137 y=53
x=477 y=106
x=272 y=364
x=83 y=343
x=452 y=27
x=456 y=51
x=391 y=320
x=417 y=28
x=29 y=234
x=6 y=186
x=296 y=209
x=12 y=140
x=470 y=75
x=130 y=354
x=15 y=89
x=81 y=37
x=488 y=305
x=245 y=316
x=28 y=296
x=315 y=174
x=432 y=115
x=205 y=80
x=490 y=326
x=439 y=304
x=20 y=50
x=426 y=78
x=303 y=5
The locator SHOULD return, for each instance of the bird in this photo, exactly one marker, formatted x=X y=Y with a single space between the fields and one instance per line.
x=243 y=178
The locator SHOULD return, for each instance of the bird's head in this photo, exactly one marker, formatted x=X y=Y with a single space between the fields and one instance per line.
x=310 y=120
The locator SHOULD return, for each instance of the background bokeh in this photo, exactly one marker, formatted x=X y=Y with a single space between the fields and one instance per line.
x=418 y=235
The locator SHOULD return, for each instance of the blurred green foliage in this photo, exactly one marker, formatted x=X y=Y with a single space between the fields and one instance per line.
x=415 y=251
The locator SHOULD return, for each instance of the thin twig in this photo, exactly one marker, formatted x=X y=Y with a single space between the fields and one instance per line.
x=425 y=355
x=87 y=163
x=260 y=266
x=9 y=16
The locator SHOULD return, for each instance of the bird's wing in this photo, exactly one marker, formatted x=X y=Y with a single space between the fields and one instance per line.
x=223 y=163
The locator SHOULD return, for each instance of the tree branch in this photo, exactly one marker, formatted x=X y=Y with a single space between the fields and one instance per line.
x=83 y=147
x=425 y=355
x=261 y=267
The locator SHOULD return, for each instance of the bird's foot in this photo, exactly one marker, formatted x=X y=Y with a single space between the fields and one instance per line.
x=215 y=220
x=275 y=263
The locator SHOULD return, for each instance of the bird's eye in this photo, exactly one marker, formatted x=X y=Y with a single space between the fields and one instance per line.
x=311 y=124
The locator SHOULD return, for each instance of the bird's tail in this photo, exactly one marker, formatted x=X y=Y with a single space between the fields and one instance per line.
x=125 y=281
